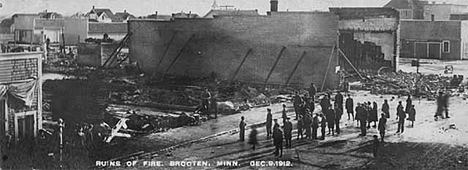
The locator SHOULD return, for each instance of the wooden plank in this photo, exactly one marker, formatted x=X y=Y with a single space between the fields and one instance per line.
x=354 y=68
x=328 y=68
x=119 y=49
x=164 y=53
x=178 y=55
x=295 y=68
x=240 y=65
x=274 y=65
x=116 y=49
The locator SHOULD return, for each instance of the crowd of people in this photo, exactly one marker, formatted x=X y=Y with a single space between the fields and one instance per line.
x=309 y=120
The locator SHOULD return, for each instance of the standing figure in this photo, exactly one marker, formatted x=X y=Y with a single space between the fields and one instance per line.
x=253 y=137
x=315 y=126
x=440 y=105
x=323 y=125
x=307 y=124
x=296 y=103
x=300 y=126
x=269 y=121
x=206 y=96
x=370 y=118
x=446 y=104
x=400 y=106
x=242 y=125
x=330 y=116
x=412 y=115
x=312 y=92
x=309 y=103
x=375 y=147
x=350 y=107
x=409 y=103
x=278 y=141
x=374 y=114
x=362 y=112
x=214 y=107
x=288 y=132
x=275 y=127
x=401 y=119
x=338 y=114
x=386 y=108
x=358 y=114
x=382 y=126
x=339 y=100
x=284 y=116
x=325 y=104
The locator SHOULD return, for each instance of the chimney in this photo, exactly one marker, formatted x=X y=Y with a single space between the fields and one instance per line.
x=93 y=6
x=125 y=11
x=274 y=5
x=432 y=17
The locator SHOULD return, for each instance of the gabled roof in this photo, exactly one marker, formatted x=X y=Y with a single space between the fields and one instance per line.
x=400 y=4
x=121 y=16
x=216 y=12
x=108 y=27
x=99 y=12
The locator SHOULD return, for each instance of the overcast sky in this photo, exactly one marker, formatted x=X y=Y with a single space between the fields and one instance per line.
x=201 y=7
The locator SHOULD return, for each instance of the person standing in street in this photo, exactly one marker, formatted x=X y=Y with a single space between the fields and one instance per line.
x=307 y=124
x=412 y=115
x=312 y=92
x=288 y=132
x=409 y=103
x=300 y=126
x=358 y=114
x=253 y=137
x=382 y=126
x=399 y=107
x=386 y=109
x=278 y=141
x=284 y=115
x=350 y=107
x=269 y=121
x=362 y=112
x=206 y=96
x=297 y=101
x=339 y=100
x=275 y=126
x=338 y=113
x=401 y=119
x=330 y=116
x=315 y=126
x=325 y=104
x=446 y=99
x=242 y=125
x=375 y=114
x=440 y=105
x=323 y=126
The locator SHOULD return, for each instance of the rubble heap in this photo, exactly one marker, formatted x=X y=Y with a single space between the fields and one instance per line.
x=402 y=83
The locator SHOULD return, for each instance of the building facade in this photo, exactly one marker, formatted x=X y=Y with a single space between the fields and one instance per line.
x=20 y=95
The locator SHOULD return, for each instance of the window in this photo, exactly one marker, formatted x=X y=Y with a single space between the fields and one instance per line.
x=102 y=17
x=446 y=46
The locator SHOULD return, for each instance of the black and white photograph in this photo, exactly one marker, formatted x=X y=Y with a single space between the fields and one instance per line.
x=234 y=84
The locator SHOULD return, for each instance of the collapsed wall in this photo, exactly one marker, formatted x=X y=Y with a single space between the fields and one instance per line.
x=294 y=48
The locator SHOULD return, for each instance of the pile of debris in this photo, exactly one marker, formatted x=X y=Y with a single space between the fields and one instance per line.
x=402 y=83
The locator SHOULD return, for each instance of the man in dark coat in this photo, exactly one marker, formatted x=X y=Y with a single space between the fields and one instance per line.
x=278 y=141
x=297 y=101
x=338 y=114
x=323 y=126
x=312 y=92
x=242 y=125
x=386 y=108
x=300 y=126
x=339 y=100
x=401 y=118
x=446 y=104
x=409 y=103
x=350 y=107
x=284 y=115
x=307 y=123
x=206 y=97
x=330 y=116
x=309 y=104
x=400 y=106
x=412 y=115
x=362 y=112
x=288 y=132
x=325 y=104
x=269 y=122
x=382 y=126
x=315 y=126
x=275 y=126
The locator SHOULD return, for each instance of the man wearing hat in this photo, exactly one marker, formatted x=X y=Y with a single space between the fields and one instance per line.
x=242 y=125
x=269 y=122
x=288 y=132
x=312 y=92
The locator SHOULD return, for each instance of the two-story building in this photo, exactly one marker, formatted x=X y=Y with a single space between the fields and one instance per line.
x=100 y=15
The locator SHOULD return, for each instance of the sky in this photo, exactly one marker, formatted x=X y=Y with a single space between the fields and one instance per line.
x=201 y=7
